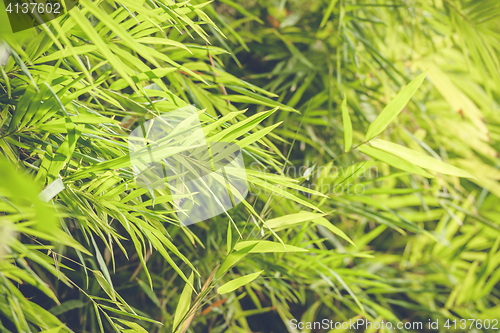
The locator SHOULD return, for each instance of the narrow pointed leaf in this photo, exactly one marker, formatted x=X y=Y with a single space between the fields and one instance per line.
x=392 y=110
x=238 y=282
x=347 y=126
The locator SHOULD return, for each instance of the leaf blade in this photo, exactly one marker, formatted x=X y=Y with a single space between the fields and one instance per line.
x=391 y=111
x=347 y=126
x=419 y=159
x=238 y=282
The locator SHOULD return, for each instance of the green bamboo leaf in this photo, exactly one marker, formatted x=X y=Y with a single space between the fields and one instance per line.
x=22 y=65
x=242 y=10
x=65 y=151
x=294 y=50
x=419 y=159
x=108 y=289
x=238 y=282
x=394 y=161
x=98 y=315
x=286 y=221
x=30 y=97
x=184 y=302
x=119 y=66
x=67 y=306
x=242 y=127
x=328 y=225
x=134 y=327
x=151 y=294
x=229 y=238
x=328 y=12
x=54 y=330
x=255 y=137
x=113 y=25
x=256 y=100
x=267 y=247
x=283 y=192
x=347 y=126
x=127 y=314
x=392 y=110
x=237 y=255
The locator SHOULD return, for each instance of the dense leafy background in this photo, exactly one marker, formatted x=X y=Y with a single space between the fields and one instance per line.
x=388 y=208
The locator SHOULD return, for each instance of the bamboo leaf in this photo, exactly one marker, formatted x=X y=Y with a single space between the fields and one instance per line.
x=394 y=160
x=238 y=282
x=419 y=158
x=183 y=305
x=267 y=247
x=391 y=111
x=328 y=225
x=347 y=126
x=286 y=221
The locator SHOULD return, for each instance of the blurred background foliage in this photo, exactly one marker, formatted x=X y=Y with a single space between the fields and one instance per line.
x=401 y=227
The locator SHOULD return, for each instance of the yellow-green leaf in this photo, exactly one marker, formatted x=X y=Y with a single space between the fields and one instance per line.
x=347 y=126
x=420 y=159
x=184 y=302
x=327 y=224
x=286 y=221
x=268 y=247
x=392 y=110
x=238 y=282
x=394 y=161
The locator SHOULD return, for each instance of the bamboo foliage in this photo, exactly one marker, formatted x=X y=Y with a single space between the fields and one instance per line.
x=370 y=135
